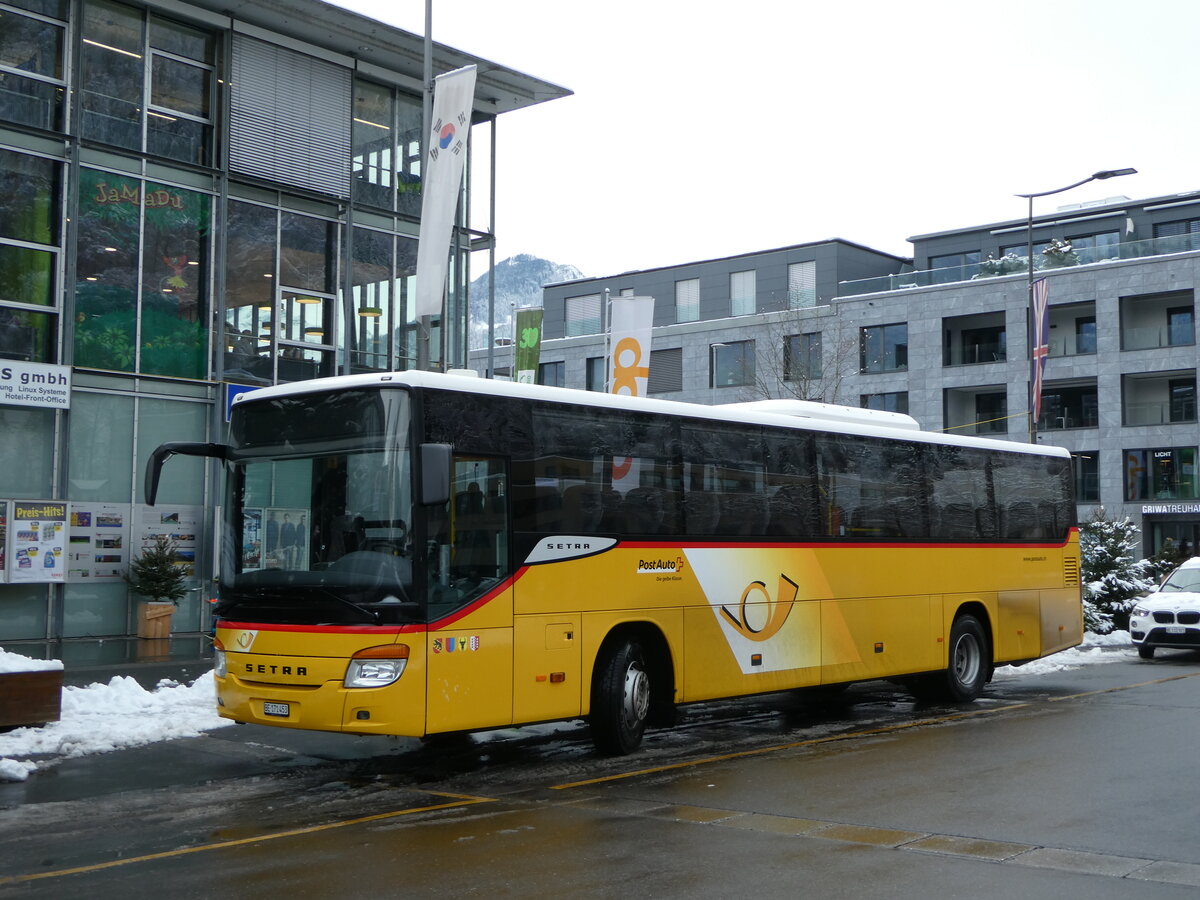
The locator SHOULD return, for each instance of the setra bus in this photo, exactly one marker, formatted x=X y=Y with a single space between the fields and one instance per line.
x=416 y=553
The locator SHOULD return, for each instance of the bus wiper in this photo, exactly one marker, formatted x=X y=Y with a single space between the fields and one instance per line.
x=371 y=616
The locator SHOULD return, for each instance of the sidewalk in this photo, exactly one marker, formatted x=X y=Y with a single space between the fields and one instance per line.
x=181 y=657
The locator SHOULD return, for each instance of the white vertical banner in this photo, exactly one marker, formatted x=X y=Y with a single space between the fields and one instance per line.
x=441 y=177
x=631 y=319
x=629 y=345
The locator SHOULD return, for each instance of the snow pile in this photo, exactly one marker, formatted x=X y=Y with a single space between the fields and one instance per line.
x=101 y=718
x=15 y=662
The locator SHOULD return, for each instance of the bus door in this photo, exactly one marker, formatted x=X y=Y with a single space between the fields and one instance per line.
x=469 y=643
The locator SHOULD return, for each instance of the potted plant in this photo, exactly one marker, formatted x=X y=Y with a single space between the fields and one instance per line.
x=156 y=575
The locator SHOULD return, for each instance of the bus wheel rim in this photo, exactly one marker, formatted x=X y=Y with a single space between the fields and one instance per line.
x=636 y=705
x=966 y=659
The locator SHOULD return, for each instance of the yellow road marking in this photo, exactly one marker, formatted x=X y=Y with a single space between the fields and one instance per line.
x=458 y=800
x=1124 y=687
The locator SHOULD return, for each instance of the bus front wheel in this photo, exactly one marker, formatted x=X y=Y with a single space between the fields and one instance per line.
x=620 y=699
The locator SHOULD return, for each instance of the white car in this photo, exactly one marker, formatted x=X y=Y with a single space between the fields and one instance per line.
x=1169 y=616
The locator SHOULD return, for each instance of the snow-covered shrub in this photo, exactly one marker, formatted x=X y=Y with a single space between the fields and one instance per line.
x=1112 y=578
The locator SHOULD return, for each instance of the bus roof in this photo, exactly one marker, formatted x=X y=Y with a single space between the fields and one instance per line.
x=786 y=413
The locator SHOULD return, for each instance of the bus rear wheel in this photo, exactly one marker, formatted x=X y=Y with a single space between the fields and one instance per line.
x=967 y=667
x=620 y=699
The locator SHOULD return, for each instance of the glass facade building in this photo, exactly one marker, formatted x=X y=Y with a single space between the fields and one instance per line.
x=197 y=202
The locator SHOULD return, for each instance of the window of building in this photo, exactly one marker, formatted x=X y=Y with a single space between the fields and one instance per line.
x=742 y=293
x=1085 y=334
x=553 y=374
x=954 y=267
x=122 y=50
x=1181 y=329
x=1182 y=399
x=141 y=291
x=32 y=81
x=386 y=148
x=802 y=285
x=732 y=364
x=1094 y=247
x=1069 y=406
x=666 y=371
x=583 y=315
x=896 y=401
x=991 y=413
x=1177 y=236
x=802 y=356
x=883 y=348
x=1022 y=250
x=687 y=300
x=1162 y=474
x=979 y=345
x=1087 y=476
x=597 y=373
x=29 y=249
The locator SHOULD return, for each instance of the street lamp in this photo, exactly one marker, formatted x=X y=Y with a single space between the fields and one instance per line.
x=1102 y=175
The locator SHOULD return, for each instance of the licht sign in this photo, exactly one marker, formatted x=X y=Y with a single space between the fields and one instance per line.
x=35 y=384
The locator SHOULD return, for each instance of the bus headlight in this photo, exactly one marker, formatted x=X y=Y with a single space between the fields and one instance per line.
x=220 y=665
x=376 y=666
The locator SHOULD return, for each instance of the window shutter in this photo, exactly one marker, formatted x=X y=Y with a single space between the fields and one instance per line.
x=290 y=117
x=666 y=371
x=802 y=285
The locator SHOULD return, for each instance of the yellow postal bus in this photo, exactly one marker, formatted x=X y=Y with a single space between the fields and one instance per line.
x=414 y=553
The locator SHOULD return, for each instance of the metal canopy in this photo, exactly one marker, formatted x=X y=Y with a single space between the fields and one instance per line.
x=499 y=89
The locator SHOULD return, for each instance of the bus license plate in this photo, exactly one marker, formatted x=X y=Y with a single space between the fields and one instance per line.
x=276 y=709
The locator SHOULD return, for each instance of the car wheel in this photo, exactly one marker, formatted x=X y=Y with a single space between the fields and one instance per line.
x=1146 y=651
x=620 y=699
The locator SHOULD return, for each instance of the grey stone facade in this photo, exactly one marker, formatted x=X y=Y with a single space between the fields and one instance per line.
x=1134 y=392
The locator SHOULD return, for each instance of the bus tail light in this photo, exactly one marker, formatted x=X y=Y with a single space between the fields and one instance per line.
x=220 y=667
x=376 y=666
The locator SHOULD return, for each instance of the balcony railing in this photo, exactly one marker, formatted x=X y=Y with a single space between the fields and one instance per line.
x=1016 y=265
x=1162 y=413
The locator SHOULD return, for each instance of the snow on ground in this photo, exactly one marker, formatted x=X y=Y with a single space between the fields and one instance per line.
x=101 y=718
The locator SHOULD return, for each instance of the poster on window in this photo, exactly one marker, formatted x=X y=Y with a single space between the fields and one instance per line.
x=3 y=541
x=98 y=542
x=178 y=524
x=252 y=540
x=286 y=538
x=38 y=541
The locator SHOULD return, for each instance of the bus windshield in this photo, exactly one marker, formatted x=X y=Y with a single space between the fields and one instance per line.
x=318 y=511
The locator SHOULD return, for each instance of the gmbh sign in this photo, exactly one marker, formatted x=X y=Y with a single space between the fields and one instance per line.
x=35 y=384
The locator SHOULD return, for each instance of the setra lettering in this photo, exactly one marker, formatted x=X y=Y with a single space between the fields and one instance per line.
x=266 y=669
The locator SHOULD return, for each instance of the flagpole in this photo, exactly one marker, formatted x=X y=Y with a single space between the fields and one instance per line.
x=1033 y=357
x=424 y=322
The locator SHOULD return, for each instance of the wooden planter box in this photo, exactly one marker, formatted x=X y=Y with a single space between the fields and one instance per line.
x=154 y=620
x=30 y=698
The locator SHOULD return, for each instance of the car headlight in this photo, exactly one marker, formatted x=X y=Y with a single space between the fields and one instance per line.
x=376 y=666
x=1140 y=611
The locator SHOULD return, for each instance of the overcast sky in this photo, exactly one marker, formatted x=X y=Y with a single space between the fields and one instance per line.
x=704 y=129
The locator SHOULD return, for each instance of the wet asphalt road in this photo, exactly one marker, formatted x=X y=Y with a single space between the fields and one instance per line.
x=1068 y=784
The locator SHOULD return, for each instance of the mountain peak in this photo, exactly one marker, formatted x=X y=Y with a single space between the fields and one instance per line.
x=519 y=282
